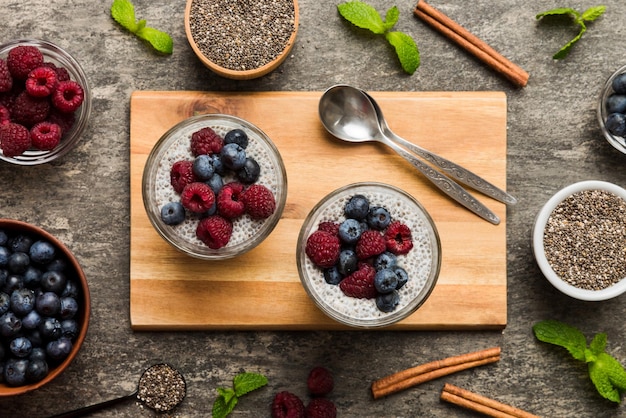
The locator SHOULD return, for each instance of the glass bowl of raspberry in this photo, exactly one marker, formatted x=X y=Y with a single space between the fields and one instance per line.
x=45 y=102
x=214 y=186
x=368 y=255
x=45 y=322
x=611 y=109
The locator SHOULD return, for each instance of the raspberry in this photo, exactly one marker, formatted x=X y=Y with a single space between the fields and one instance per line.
x=229 y=203
x=360 y=284
x=28 y=110
x=398 y=238
x=259 y=201
x=64 y=120
x=370 y=243
x=6 y=80
x=329 y=226
x=320 y=381
x=214 y=231
x=320 y=408
x=287 y=405
x=62 y=73
x=206 y=141
x=323 y=248
x=5 y=115
x=14 y=139
x=41 y=82
x=22 y=59
x=45 y=135
x=197 y=197
x=68 y=96
x=181 y=174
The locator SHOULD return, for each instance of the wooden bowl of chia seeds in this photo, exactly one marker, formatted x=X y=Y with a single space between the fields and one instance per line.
x=579 y=240
x=241 y=40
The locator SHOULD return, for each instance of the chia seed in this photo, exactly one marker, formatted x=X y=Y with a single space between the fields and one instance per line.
x=161 y=388
x=243 y=34
x=585 y=239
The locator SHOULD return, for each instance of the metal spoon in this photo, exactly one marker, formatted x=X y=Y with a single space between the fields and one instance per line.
x=348 y=114
x=161 y=387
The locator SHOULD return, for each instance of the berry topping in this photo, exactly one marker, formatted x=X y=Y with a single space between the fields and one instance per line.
x=320 y=408
x=28 y=110
x=259 y=201
x=398 y=238
x=173 y=213
x=14 y=139
x=203 y=167
x=229 y=203
x=41 y=82
x=350 y=231
x=323 y=248
x=370 y=244
x=236 y=136
x=357 y=207
x=385 y=281
x=22 y=59
x=378 y=217
x=287 y=405
x=6 y=80
x=197 y=197
x=68 y=96
x=45 y=135
x=329 y=226
x=214 y=231
x=206 y=141
x=250 y=171
x=360 y=284
x=387 y=302
x=233 y=156
x=320 y=381
x=181 y=174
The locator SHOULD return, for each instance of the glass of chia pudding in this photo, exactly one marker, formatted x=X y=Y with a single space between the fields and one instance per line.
x=421 y=263
x=175 y=145
x=579 y=240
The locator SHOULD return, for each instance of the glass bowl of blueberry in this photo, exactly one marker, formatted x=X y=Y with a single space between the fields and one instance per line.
x=45 y=98
x=214 y=186
x=611 y=109
x=368 y=255
x=44 y=307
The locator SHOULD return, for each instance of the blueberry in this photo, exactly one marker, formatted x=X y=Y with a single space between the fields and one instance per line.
x=48 y=303
x=59 y=349
x=20 y=243
x=18 y=262
x=68 y=308
x=378 y=218
x=4 y=238
x=236 y=136
x=4 y=273
x=403 y=276
x=357 y=207
x=203 y=167
x=37 y=353
x=350 y=231
x=36 y=370
x=173 y=213
x=42 y=252
x=50 y=329
x=15 y=371
x=250 y=171
x=216 y=182
x=10 y=324
x=13 y=282
x=385 y=280
x=22 y=301
x=5 y=302
x=385 y=260
x=218 y=165
x=619 y=83
x=58 y=264
x=32 y=320
x=69 y=328
x=53 y=281
x=20 y=347
x=4 y=256
x=35 y=337
x=233 y=156
x=616 y=103
x=211 y=210
x=387 y=302
x=616 y=124
x=32 y=277
x=71 y=289
x=332 y=275
x=348 y=262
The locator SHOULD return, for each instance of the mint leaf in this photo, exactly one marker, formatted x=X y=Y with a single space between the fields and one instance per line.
x=562 y=53
x=247 y=382
x=608 y=376
x=391 y=18
x=362 y=15
x=224 y=403
x=593 y=13
x=123 y=12
x=405 y=49
x=563 y=335
x=561 y=11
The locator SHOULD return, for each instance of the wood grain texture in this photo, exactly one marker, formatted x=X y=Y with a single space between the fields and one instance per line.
x=261 y=289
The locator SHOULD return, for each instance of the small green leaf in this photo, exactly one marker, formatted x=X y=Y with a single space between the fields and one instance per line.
x=563 y=52
x=391 y=18
x=406 y=49
x=598 y=344
x=223 y=406
x=593 y=13
x=247 y=382
x=123 y=12
x=608 y=376
x=561 y=11
x=563 y=335
x=362 y=15
x=160 y=41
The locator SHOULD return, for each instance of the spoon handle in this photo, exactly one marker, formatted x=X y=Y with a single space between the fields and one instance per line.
x=447 y=185
x=95 y=407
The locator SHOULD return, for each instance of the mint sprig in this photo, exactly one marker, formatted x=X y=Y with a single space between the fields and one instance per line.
x=123 y=12
x=606 y=373
x=365 y=16
x=579 y=19
x=227 y=398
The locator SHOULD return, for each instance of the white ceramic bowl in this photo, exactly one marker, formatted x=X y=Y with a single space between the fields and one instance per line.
x=540 y=251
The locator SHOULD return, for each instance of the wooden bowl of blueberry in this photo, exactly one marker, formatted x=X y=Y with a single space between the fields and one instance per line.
x=44 y=307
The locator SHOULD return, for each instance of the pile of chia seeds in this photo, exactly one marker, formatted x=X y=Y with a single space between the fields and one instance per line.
x=241 y=34
x=161 y=388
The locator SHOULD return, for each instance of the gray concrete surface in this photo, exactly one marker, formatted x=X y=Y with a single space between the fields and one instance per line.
x=553 y=140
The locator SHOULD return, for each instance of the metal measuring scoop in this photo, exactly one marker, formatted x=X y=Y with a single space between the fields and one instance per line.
x=161 y=387
x=352 y=115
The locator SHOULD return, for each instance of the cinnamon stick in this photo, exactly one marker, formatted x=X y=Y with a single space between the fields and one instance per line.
x=432 y=370
x=471 y=43
x=482 y=404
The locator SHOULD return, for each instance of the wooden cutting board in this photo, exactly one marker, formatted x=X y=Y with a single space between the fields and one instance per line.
x=261 y=289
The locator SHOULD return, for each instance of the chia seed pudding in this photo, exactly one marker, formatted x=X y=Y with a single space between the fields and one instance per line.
x=421 y=263
x=175 y=146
